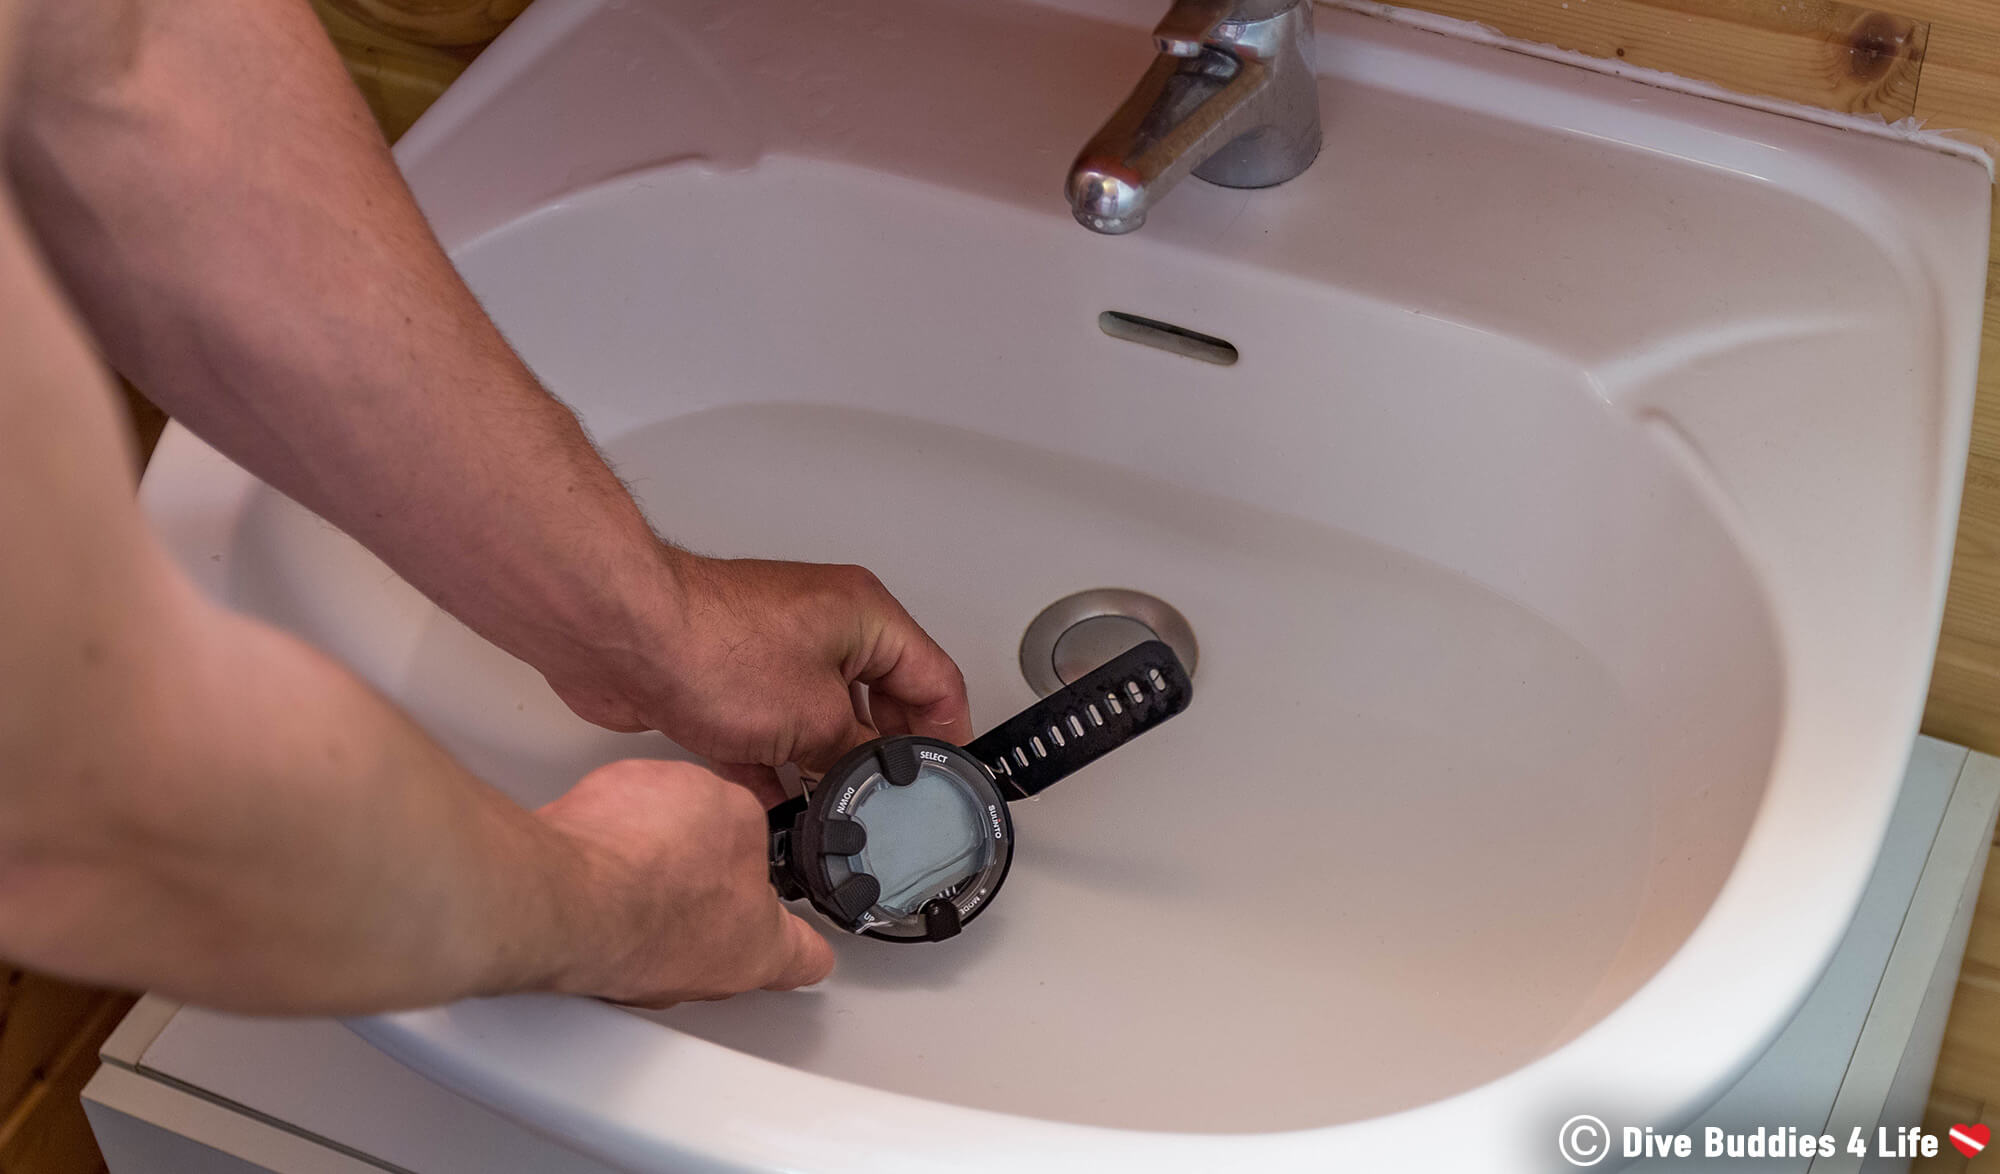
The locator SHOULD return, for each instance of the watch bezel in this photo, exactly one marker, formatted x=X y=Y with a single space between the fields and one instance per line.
x=823 y=875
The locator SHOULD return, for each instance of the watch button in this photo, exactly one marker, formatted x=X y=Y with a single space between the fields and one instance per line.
x=940 y=919
x=855 y=896
x=841 y=836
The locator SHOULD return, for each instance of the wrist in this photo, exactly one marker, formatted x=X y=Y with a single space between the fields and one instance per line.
x=607 y=650
x=591 y=917
x=545 y=908
x=645 y=605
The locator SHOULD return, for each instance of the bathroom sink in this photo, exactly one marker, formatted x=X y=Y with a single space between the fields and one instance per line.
x=1565 y=547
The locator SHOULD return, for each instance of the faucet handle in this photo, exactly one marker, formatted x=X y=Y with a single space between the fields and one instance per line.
x=1189 y=24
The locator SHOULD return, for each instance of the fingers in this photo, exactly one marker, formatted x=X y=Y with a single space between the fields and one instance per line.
x=922 y=693
x=805 y=956
x=913 y=684
x=913 y=687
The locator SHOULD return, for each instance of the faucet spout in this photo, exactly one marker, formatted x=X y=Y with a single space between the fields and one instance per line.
x=1231 y=98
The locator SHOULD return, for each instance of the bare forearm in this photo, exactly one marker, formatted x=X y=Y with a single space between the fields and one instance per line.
x=260 y=833
x=220 y=206
x=251 y=828
x=196 y=803
x=193 y=802
x=229 y=169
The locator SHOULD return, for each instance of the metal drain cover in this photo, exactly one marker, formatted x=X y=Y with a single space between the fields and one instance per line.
x=1079 y=632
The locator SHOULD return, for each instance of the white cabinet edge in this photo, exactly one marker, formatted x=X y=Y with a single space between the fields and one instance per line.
x=132 y=1114
x=137 y=1031
x=1923 y=967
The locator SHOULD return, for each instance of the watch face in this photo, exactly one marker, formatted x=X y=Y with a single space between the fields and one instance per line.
x=924 y=838
x=906 y=838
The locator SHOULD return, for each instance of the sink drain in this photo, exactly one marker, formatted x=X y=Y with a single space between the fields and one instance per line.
x=1077 y=633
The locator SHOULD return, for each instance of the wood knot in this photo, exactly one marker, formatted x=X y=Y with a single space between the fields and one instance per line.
x=1875 y=44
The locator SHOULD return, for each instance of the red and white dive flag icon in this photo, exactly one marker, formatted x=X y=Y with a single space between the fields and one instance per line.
x=1970 y=1139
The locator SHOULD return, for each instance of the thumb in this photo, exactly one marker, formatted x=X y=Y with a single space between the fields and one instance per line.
x=805 y=958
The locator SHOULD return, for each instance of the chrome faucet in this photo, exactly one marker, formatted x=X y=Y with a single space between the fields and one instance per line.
x=1230 y=98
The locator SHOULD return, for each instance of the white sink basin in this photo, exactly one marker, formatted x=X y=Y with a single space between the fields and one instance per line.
x=1566 y=552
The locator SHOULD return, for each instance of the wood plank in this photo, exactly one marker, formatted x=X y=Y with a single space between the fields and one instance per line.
x=435 y=22
x=1822 y=52
x=47 y=1133
x=41 y=1019
x=1942 y=1112
x=148 y=421
x=1972 y=609
x=1969 y=1063
x=1934 y=107
x=1982 y=16
x=400 y=79
x=1940 y=1115
x=1961 y=74
x=10 y=985
x=1968 y=1068
x=1960 y=89
x=1982 y=945
x=1988 y=1162
x=1964 y=678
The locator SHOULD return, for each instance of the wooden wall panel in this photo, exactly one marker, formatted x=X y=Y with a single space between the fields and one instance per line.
x=435 y=22
x=46 y=1132
x=40 y=1016
x=1964 y=702
x=400 y=78
x=1839 y=56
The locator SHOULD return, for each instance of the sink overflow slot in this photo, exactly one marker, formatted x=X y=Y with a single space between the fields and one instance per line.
x=1166 y=336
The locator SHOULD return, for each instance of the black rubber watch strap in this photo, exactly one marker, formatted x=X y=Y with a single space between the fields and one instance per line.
x=1089 y=718
x=785 y=820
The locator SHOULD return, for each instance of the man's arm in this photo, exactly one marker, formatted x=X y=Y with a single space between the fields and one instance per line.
x=195 y=803
x=222 y=209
